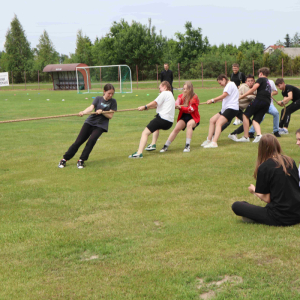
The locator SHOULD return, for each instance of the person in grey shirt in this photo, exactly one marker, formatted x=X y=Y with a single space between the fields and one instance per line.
x=93 y=126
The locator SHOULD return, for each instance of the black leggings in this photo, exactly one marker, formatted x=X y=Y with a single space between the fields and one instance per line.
x=287 y=117
x=87 y=132
x=256 y=213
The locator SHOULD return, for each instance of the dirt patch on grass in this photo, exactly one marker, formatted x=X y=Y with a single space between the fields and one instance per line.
x=216 y=286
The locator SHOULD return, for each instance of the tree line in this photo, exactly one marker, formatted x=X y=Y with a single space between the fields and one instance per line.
x=137 y=44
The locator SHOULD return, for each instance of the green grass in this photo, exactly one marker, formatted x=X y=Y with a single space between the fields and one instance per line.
x=132 y=229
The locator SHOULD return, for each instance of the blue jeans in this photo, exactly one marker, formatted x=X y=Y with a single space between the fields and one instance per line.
x=274 y=112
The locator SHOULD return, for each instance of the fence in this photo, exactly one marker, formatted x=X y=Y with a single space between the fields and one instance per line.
x=202 y=74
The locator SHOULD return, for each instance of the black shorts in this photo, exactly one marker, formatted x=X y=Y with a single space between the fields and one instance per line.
x=159 y=123
x=229 y=114
x=257 y=109
x=186 y=118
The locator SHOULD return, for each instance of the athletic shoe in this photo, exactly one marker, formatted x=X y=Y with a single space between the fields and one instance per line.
x=276 y=133
x=232 y=137
x=62 y=163
x=237 y=122
x=251 y=135
x=211 y=145
x=187 y=148
x=257 y=139
x=283 y=131
x=243 y=140
x=135 y=155
x=247 y=220
x=80 y=164
x=150 y=147
x=164 y=149
x=205 y=143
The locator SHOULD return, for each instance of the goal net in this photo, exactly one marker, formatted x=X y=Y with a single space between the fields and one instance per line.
x=93 y=79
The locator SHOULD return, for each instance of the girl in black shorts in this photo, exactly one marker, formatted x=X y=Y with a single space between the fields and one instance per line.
x=188 y=117
x=165 y=108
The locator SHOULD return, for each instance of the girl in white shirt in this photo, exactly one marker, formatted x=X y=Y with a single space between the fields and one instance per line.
x=230 y=109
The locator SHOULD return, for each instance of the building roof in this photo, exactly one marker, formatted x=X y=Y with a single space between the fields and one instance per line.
x=63 y=67
x=274 y=47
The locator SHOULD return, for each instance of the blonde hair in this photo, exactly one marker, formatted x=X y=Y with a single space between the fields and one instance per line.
x=188 y=94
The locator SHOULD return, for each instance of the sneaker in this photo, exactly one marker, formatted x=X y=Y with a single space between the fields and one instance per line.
x=150 y=147
x=211 y=145
x=135 y=155
x=205 y=143
x=237 y=122
x=187 y=148
x=243 y=140
x=80 y=164
x=232 y=137
x=251 y=135
x=164 y=149
x=276 y=133
x=62 y=163
x=247 y=220
x=283 y=131
x=257 y=139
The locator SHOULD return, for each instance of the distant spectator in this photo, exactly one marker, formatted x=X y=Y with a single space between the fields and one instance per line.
x=167 y=75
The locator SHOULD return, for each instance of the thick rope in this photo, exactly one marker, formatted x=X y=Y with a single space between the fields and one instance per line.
x=283 y=110
x=63 y=116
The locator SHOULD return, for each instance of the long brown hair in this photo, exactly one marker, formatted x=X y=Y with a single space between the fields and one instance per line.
x=188 y=94
x=269 y=147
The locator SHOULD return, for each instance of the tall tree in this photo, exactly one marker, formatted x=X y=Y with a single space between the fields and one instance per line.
x=287 y=42
x=45 y=52
x=18 y=53
x=191 y=44
x=296 y=40
x=83 y=50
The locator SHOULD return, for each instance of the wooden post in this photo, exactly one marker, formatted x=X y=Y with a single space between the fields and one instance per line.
x=137 y=77
x=226 y=68
x=202 y=72
x=253 y=66
x=179 y=74
x=25 y=79
x=39 y=78
x=12 y=79
x=100 y=79
x=157 y=74
x=282 y=67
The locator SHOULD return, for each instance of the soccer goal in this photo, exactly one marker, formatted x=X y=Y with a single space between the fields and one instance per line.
x=93 y=79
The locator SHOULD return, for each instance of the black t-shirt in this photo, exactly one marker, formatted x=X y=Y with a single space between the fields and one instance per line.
x=284 y=191
x=294 y=90
x=238 y=78
x=100 y=120
x=264 y=90
x=166 y=76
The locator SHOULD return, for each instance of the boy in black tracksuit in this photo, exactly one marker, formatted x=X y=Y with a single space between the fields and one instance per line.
x=167 y=75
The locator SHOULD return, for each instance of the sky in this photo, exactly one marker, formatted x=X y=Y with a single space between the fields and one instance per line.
x=227 y=22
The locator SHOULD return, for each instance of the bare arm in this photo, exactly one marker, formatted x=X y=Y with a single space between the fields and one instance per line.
x=287 y=99
x=87 y=110
x=220 y=98
x=263 y=197
x=152 y=104
x=109 y=116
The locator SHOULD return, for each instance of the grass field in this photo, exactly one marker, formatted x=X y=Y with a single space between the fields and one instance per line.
x=156 y=228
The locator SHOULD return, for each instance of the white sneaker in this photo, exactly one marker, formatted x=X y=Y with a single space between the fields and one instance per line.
x=187 y=148
x=243 y=140
x=211 y=145
x=205 y=143
x=232 y=137
x=257 y=139
x=283 y=131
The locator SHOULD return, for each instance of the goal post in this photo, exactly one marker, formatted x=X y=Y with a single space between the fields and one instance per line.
x=93 y=79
